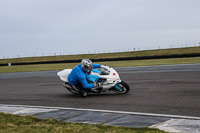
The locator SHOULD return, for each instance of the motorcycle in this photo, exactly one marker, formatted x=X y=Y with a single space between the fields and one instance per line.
x=106 y=76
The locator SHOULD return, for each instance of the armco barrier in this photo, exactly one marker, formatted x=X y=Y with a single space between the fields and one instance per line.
x=110 y=59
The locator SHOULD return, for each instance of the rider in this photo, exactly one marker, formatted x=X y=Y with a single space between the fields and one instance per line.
x=77 y=77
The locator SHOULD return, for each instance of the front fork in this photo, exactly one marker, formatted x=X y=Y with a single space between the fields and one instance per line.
x=116 y=87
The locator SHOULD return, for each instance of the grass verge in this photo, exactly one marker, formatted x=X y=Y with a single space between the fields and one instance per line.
x=178 y=51
x=47 y=67
x=22 y=124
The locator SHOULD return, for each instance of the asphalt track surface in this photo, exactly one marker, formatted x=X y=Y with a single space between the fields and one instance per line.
x=171 y=89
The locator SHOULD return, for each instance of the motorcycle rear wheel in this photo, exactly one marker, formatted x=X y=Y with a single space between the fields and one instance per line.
x=71 y=89
x=124 y=88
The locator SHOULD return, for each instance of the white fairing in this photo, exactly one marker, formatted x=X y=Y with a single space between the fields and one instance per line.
x=64 y=74
x=112 y=78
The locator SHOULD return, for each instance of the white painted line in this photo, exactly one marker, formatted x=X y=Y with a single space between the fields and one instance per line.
x=163 y=126
x=110 y=111
x=31 y=111
x=180 y=125
x=156 y=125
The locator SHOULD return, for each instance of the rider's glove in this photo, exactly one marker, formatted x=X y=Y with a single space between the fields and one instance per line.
x=104 y=69
x=94 y=84
x=97 y=84
x=102 y=66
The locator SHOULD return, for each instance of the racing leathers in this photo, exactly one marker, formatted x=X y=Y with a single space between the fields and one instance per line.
x=78 y=75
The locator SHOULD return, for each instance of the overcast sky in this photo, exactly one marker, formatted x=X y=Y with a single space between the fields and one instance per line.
x=45 y=27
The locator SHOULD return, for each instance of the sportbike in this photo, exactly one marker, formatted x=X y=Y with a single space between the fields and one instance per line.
x=106 y=76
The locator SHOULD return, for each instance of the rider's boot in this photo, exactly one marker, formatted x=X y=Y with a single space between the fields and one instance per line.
x=81 y=91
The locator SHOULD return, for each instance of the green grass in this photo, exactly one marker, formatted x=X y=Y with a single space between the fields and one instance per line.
x=46 y=67
x=24 y=124
x=189 y=50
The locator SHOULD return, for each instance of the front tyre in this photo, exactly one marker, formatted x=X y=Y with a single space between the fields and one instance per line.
x=123 y=88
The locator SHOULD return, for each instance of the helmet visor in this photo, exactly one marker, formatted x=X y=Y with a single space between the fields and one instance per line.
x=89 y=67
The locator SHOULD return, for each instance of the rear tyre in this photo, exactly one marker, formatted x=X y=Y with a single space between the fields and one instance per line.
x=70 y=88
x=123 y=88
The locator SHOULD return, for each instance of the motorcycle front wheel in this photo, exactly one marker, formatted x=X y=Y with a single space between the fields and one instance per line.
x=123 y=88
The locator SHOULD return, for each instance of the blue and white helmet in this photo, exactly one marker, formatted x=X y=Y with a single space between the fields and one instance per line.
x=86 y=65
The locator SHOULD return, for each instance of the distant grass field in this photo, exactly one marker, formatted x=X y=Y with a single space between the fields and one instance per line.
x=189 y=50
x=60 y=66
x=46 y=67
x=27 y=124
